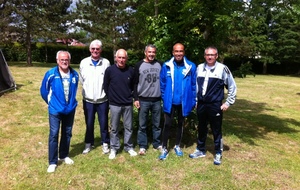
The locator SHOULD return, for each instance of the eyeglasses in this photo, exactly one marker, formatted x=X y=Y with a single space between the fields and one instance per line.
x=64 y=60
x=211 y=55
x=95 y=49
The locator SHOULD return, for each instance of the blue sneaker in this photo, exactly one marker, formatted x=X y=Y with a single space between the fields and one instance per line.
x=217 y=159
x=164 y=154
x=178 y=151
x=197 y=154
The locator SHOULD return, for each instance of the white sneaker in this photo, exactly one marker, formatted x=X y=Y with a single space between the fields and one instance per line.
x=142 y=151
x=87 y=148
x=112 y=154
x=51 y=168
x=159 y=148
x=68 y=160
x=105 y=148
x=132 y=152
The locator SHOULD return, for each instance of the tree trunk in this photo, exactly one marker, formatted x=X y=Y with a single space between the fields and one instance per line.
x=156 y=8
x=46 y=51
x=265 y=68
x=28 y=47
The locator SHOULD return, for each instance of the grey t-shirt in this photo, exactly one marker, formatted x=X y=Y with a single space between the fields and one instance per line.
x=147 y=84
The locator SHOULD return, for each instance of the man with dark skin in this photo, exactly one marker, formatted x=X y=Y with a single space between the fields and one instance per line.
x=178 y=89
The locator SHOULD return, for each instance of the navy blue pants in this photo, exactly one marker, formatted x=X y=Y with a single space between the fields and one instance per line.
x=210 y=113
x=65 y=123
x=90 y=110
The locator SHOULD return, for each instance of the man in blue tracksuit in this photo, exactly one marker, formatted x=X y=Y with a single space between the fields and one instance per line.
x=58 y=90
x=212 y=77
x=178 y=91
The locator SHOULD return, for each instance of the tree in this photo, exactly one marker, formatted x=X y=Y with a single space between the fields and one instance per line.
x=195 y=23
x=285 y=33
x=107 y=20
x=265 y=21
x=30 y=19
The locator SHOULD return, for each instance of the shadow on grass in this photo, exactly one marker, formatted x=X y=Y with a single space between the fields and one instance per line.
x=248 y=122
x=76 y=149
x=12 y=90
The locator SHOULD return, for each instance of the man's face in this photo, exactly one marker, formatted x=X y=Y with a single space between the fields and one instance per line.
x=150 y=54
x=211 y=56
x=63 y=61
x=95 y=51
x=178 y=52
x=121 y=59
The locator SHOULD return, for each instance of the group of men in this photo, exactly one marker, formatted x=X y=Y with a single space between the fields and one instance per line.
x=178 y=83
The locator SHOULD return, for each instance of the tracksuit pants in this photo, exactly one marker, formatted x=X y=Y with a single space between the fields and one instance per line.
x=210 y=113
x=175 y=111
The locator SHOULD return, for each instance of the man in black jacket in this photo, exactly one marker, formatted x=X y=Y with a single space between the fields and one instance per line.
x=118 y=85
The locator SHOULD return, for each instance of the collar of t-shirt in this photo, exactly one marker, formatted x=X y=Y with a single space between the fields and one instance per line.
x=95 y=62
x=209 y=67
x=65 y=75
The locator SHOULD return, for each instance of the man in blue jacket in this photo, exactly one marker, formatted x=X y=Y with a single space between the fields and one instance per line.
x=178 y=91
x=58 y=90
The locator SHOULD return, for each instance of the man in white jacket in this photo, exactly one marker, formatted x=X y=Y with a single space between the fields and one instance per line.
x=92 y=70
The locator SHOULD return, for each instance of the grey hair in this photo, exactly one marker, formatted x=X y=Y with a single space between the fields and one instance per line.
x=211 y=47
x=62 y=51
x=96 y=42
x=150 y=46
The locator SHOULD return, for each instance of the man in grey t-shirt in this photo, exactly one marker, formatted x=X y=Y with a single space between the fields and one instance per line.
x=147 y=98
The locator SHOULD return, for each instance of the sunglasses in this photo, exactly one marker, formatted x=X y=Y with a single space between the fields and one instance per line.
x=95 y=49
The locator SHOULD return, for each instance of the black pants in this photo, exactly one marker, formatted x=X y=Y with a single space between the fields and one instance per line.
x=175 y=111
x=213 y=115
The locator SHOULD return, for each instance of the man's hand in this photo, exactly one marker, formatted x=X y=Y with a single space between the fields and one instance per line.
x=224 y=107
x=137 y=104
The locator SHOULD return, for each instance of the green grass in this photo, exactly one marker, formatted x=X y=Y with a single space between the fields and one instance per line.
x=260 y=132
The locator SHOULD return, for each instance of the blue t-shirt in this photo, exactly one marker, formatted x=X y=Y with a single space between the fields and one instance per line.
x=95 y=62
x=178 y=78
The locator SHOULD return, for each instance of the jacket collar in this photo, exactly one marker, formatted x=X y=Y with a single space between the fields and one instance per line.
x=187 y=65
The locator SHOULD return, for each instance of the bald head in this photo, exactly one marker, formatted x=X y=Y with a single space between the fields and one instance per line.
x=121 y=58
x=178 y=52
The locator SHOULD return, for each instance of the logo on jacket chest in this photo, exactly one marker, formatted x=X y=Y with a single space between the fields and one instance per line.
x=74 y=80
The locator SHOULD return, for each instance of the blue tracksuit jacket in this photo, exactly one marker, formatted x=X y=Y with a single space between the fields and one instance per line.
x=52 y=92
x=188 y=85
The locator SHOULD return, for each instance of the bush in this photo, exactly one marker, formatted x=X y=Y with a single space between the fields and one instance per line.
x=46 y=53
x=15 y=52
x=244 y=70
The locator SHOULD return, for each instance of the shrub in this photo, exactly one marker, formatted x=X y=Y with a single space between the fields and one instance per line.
x=244 y=70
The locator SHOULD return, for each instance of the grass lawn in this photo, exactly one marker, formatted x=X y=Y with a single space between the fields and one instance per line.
x=260 y=132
